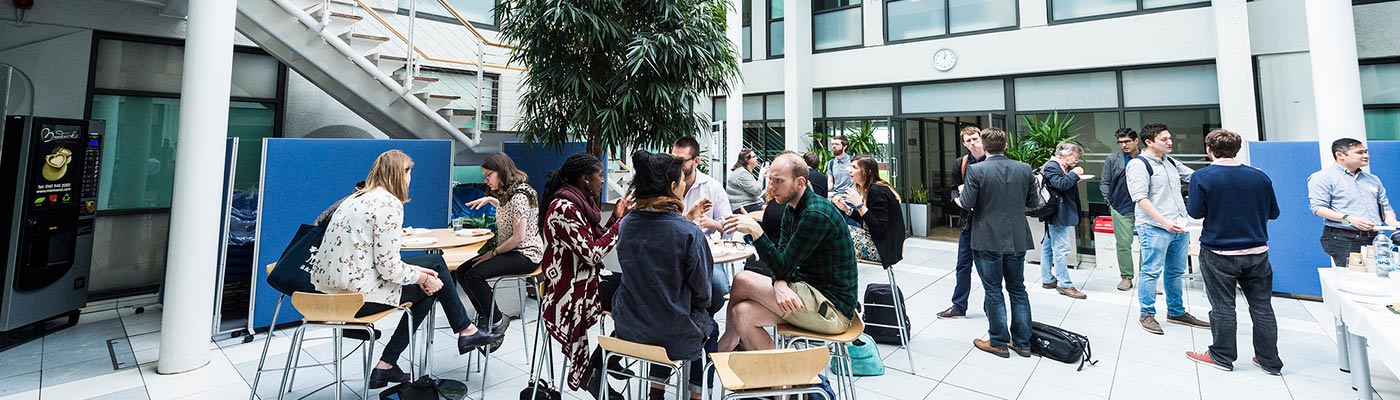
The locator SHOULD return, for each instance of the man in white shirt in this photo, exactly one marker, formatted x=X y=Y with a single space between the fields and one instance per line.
x=701 y=186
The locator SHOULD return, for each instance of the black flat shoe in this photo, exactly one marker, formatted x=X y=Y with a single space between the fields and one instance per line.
x=475 y=340
x=381 y=377
x=616 y=369
x=594 y=384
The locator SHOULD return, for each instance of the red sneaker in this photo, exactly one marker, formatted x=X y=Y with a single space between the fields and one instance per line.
x=1205 y=358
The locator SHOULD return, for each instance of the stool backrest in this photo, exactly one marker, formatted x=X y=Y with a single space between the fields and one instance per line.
x=775 y=368
x=635 y=350
x=328 y=307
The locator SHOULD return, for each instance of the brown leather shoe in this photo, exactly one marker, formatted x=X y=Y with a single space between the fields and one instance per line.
x=951 y=312
x=1188 y=320
x=990 y=348
x=1072 y=293
x=1149 y=323
x=1020 y=351
x=1050 y=284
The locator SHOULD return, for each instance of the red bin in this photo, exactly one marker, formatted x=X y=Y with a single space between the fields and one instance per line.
x=1103 y=224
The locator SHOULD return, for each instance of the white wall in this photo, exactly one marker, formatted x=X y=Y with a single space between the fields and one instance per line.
x=58 y=68
x=310 y=112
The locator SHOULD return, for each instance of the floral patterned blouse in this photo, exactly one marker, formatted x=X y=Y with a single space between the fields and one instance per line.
x=521 y=205
x=360 y=251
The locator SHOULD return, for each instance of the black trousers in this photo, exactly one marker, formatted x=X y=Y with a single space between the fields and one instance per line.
x=474 y=280
x=1340 y=243
x=1255 y=277
x=962 y=285
x=422 y=306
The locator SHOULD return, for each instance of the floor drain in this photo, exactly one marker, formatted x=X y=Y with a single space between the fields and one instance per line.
x=122 y=356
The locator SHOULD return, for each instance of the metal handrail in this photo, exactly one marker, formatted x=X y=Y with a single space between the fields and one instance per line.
x=472 y=28
x=373 y=13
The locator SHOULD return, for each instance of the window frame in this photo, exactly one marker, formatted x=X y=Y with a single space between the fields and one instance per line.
x=816 y=12
x=768 y=27
x=279 y=103
x=1377 y=61
x=947 y=25
x=1050 y=12
x=494 y=26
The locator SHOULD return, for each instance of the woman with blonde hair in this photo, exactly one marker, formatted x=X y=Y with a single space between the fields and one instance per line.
x=873 y=203
x=360 y=254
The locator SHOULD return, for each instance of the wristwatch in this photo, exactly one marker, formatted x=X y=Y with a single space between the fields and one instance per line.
x=1344 y=217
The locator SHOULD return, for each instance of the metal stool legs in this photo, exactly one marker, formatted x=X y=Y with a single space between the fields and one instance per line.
x=904 y=331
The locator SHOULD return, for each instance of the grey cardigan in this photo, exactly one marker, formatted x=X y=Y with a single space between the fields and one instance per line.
x=743 y=188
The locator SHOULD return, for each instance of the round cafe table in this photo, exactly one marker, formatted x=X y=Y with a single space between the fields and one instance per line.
x=446 y=239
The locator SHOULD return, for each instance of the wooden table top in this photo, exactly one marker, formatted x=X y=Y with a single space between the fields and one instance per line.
x=446 y=239
x=728 y=251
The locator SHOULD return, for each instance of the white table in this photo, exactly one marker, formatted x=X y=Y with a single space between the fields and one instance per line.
x=1364 y=325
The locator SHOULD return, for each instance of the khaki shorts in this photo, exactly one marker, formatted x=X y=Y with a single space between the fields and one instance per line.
x=818 y=314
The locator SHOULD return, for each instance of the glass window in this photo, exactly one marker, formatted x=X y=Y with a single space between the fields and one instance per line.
x=775 y=38
x=1171 y=86
x=976 y=15
x=1380 y=84
x=1095 y=131
x=746 y=43
x=138 y=163
x=775 y=9
x=254 y=75
x=952 y=97
x=1286 y=100
x=1383 y=124
x=478 y=11
x=1064 y=92
x=139 y=66
x=909 y=19
x=818 y=109
x=774 y=106
x=837 y=29
x=1188 y=128
x=823 y=5
x=753 y=108
x=871 y=102
x=1070 y=9
x=1067 y=9
x=720 y=108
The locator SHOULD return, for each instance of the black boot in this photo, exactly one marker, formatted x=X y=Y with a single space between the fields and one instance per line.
x=593 y=383
x=379 y=378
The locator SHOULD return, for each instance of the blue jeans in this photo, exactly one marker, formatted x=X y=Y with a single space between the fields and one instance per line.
x=995 y=267
x=963 y=283
x=1054 y=254
x=1162 y=253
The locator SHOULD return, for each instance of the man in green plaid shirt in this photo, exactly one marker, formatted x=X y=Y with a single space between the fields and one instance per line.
x=813 y=262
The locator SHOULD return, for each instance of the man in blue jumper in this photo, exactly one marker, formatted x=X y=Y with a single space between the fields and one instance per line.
x=1236 y=201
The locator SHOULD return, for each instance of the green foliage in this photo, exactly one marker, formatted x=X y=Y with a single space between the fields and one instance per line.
x=482 y=222
x=616 y=74
x=1037 y=143
x=816 y=145
x=918 y=196
x=863 y=142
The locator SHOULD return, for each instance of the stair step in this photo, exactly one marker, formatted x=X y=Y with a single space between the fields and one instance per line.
x=388 y=64
x=362 y=43
x=338 y=22
x=437 y=101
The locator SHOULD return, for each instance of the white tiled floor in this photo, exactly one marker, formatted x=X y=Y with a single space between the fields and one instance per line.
x=1133 y=364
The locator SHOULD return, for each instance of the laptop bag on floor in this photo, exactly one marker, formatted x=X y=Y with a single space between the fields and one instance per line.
x=1061 y=345
x=879 y=309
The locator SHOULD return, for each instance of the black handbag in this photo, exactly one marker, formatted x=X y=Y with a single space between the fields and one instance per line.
x=1061 y=345
x=424 y=388
x=293 y=271
x=539 y=390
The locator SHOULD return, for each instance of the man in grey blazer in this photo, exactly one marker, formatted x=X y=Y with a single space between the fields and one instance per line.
x=998 y=190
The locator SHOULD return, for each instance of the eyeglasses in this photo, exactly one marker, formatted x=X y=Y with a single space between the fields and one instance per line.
x=1126 y=141
x=488 y=174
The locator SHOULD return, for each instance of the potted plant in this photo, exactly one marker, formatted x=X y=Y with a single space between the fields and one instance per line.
x=1034 y=146
x=917 y=207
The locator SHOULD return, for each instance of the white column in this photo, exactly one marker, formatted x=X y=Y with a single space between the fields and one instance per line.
x=1335 y=73
x=1033 y=13
x=873 y=13
x=797 y=73
x=194 y=208
x=758 y=28
x=1234 y=70
x=734 y=103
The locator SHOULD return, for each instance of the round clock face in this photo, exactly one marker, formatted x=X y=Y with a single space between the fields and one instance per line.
x=944 y=59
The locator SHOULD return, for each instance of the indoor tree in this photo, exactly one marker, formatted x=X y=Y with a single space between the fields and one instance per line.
x=616 y=74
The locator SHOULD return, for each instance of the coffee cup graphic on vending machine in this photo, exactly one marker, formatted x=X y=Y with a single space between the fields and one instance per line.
x=56 y=163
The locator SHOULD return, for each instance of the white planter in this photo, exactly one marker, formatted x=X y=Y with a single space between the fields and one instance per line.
x=918 y=219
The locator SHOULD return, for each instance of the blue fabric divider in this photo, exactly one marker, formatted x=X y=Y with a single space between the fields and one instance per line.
x=537 y=161
x=301 y=177
x=1293 y=238
x=1385 y=163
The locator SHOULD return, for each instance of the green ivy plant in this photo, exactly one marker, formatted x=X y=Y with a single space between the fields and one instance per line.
x=1037 y=142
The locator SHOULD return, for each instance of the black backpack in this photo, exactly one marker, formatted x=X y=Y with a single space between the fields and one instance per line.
x=1061 y=345
x=879 y=309
x=1047 y=201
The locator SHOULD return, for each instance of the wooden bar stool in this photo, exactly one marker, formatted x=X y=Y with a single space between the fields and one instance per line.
x=899 y=311
x=646 y=355
x=337 y=312
x=768 y=373
x=836 y=345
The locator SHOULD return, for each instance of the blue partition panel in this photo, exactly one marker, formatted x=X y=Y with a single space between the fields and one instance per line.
x=301 y=177
x=1385 y=163
x=1293 y=238
x=537 y=161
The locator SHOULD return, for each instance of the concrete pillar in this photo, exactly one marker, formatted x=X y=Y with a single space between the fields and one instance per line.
x=1335 y=74
x=185 y=326
x=1033 y=13
x=873 y=19
x=1234 y=70
x=797 y=74
x=734 y=102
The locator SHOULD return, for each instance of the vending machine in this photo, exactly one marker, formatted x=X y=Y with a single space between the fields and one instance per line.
x=46 y=225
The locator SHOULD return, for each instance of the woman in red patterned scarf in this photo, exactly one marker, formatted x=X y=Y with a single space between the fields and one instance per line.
x=575 y=244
